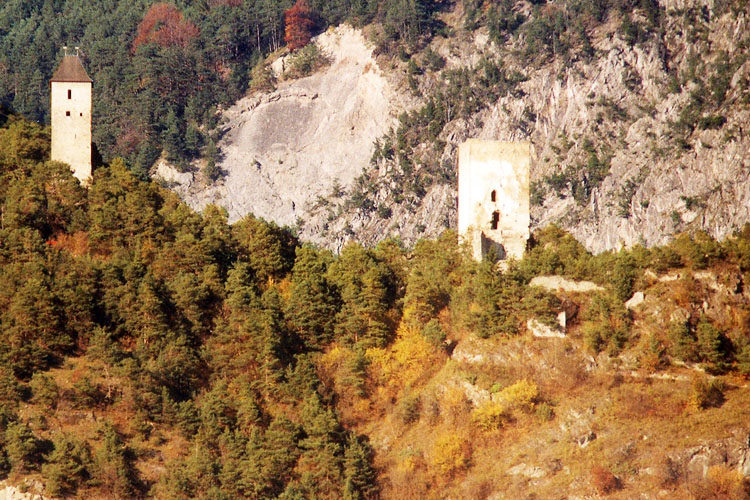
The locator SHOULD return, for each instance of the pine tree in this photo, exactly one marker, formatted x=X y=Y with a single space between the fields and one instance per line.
x=22 y=446
x=172 y=138
x=359 y=475
x=312 y=303
x=67 y=465
x=113 y=466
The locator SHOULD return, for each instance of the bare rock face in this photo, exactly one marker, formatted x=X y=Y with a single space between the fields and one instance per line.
x=620 y=103
x=283 y=150
x=619 y=110
x=30 y=492
x=295 y=155
x=733 y=453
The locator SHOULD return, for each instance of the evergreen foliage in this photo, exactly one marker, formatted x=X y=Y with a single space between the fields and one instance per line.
x=161 y=69
x=228 y=334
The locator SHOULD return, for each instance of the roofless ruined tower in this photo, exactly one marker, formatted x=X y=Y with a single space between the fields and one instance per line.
x=493 y=197
x=70 y=91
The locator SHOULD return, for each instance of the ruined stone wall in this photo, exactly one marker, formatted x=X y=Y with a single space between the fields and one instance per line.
x=493 y=197
x=71 y=126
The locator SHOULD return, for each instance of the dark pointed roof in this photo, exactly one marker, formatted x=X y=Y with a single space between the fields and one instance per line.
x=70 y=70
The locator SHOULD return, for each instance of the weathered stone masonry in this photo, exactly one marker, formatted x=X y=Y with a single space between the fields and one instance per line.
x=493 y=197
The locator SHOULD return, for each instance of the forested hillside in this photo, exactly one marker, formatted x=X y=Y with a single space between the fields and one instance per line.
x=150 y=351
x=161 y=70
x=635 y=109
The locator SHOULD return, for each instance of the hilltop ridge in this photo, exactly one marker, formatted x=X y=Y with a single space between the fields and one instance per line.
x=150 y=351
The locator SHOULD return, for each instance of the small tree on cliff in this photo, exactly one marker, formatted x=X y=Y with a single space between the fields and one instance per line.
x=298 y=25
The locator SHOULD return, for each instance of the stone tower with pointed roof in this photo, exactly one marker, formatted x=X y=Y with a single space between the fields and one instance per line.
x=70 y=94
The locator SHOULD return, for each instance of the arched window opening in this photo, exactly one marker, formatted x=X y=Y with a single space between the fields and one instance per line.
x=493 y=195
x=495 y=219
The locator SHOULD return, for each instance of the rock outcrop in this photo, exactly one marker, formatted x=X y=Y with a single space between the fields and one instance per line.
x=293 y=155
x=620 y=103
x=30 y=491
x=284 y=150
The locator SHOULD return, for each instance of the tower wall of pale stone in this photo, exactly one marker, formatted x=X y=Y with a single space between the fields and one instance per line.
x=71 y=126
x=485 y=167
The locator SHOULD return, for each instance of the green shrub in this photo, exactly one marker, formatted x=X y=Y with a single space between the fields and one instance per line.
x=412 y=68
x=630 y=31
x=409 y=408
x=540 y=304
x=24 y=449
x=433 y=60
x=545 y=412
x=707 y=393
x=434 y=333
x=87 y=394
x=306 y=61
x=495 y=302
x=536 y=194
x=67 y=465
x=711 y=345
x=261 y=77
x=11 y=390
x=698 y=250
x=594 y=336
x=357 y=373
x=743 y=360
x=623 y=276
x=652 y=355
x=44 y=390
x=112 y=466
x=682 y=341
x=555 y=251
x=607 y=325
x=665 y=258
x=711 y=122
x=188 y=418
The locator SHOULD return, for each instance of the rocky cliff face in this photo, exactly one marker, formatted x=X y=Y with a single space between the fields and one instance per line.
x=665 y=175
x=661 y=180
x=307 y=140
x=632 y=145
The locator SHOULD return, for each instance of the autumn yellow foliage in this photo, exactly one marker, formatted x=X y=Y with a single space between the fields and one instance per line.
x=334 y=358
x=522 y=395
x=722 y=482
x=490 y=416
x=450 y=454
x=404 y=362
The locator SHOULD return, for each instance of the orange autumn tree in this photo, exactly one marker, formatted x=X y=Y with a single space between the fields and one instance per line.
x=164 y=25
x=298 y=25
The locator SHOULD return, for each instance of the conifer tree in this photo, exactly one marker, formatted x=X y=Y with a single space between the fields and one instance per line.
x=360 y=476
x=312 y=303
x=67 y=465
